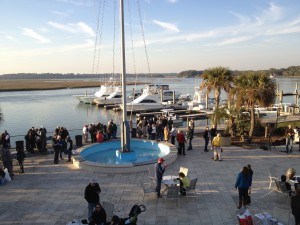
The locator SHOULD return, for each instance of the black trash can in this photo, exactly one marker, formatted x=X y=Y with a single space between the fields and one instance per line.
x=78 y=140
x=20 y=144
x=133 y=133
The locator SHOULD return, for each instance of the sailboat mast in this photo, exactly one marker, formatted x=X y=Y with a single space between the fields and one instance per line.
x=125 y=141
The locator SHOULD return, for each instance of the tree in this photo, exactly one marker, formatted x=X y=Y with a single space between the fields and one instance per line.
x=254 y=88
x=216 y=79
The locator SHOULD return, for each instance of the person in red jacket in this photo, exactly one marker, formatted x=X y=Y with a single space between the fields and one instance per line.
x=99 y=136
x=181 y=142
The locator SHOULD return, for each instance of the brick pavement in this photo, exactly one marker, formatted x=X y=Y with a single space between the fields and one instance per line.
x=48 y=194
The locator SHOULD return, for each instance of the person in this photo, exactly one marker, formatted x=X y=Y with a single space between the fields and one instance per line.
x=91 y=195
x=251 y=177
x=297 y=130
x=166 y=134
x=295 y=204
x=289 y=138
x=287 y=184
x=159 y=172
x=56 y=144
x=206 y=137
x=243 y=182
x=181 y=142
x=20 y=158
x=98 y=216
x=189 y=136
x=192 y=125
x=99 y=136
x=7 y=159
x=213 y=132
x=69 y=151
x=184 y=183
x=173 y=134
x=115 y=220
x=216 y=143
x=85 y=133
x=291 y=175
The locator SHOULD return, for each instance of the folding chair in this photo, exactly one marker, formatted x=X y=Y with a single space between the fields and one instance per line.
x=192 y=186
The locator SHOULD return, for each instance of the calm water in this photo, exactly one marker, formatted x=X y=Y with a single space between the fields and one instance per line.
x=22 y=110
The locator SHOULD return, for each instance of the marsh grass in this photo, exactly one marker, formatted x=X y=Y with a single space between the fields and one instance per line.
x=30 y=85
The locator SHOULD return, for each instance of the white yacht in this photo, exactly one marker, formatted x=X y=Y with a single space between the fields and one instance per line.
x=104 y=91
x=114 y=98
x=153 y=98
x=199 y=101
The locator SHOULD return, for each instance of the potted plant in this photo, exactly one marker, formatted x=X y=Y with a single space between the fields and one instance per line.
x=223 y=115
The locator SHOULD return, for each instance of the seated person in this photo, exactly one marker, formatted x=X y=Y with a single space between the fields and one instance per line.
x=184 y=183
x=98 y=216
x=295 y=204
x=287 y=184
x=115 y=220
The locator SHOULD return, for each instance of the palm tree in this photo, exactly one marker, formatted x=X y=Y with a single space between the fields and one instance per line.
x=216 y=79
x=254 y=88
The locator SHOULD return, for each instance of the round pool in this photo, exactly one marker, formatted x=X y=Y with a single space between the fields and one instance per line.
x=106 y=157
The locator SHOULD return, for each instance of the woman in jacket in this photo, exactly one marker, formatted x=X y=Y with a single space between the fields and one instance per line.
x=243 y=182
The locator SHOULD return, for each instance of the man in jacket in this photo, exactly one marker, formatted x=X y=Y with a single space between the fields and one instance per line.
x=159 y=171
x=91 y=195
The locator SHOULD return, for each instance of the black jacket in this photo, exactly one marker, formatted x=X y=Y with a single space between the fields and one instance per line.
x=91 y=193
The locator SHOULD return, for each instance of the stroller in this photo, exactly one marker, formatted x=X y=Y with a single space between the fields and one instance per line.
x=132 y=219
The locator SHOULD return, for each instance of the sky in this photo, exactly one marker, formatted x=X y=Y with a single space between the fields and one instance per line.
x=161 y=36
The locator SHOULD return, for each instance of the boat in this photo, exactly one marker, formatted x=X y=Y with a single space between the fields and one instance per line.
x=104 y=91
x=199 y=101
x=154 y=97
x=114 y=98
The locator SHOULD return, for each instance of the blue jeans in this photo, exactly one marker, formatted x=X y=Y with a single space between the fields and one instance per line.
x=91 y=208
x=289 y=142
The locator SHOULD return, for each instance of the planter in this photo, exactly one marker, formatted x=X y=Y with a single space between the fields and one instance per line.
x=225 y=141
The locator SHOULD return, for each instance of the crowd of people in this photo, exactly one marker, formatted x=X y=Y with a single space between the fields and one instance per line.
x=99 y=132
x=36 y=138
x=62 y=143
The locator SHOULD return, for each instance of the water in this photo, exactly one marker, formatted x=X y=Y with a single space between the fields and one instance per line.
x=107 y=153
x=22 y=110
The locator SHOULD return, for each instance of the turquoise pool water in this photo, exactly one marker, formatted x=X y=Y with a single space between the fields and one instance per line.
x=142 y=152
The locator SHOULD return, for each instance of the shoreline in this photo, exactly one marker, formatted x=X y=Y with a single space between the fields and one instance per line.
x=42 y=85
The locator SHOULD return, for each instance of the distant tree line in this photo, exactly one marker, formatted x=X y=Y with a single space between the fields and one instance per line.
x=291 y=71
x=48 y=76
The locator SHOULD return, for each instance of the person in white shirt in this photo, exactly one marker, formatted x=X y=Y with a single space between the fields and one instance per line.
x=173 y=134
x=85 y=133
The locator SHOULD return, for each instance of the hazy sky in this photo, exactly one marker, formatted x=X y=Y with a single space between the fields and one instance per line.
x=61 y=36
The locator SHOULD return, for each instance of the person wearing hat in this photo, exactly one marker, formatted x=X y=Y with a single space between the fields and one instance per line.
x=91 y=195
x=159 y=172
x=295 y=204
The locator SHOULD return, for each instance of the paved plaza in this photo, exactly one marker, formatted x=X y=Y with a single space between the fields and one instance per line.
x=48 y=194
